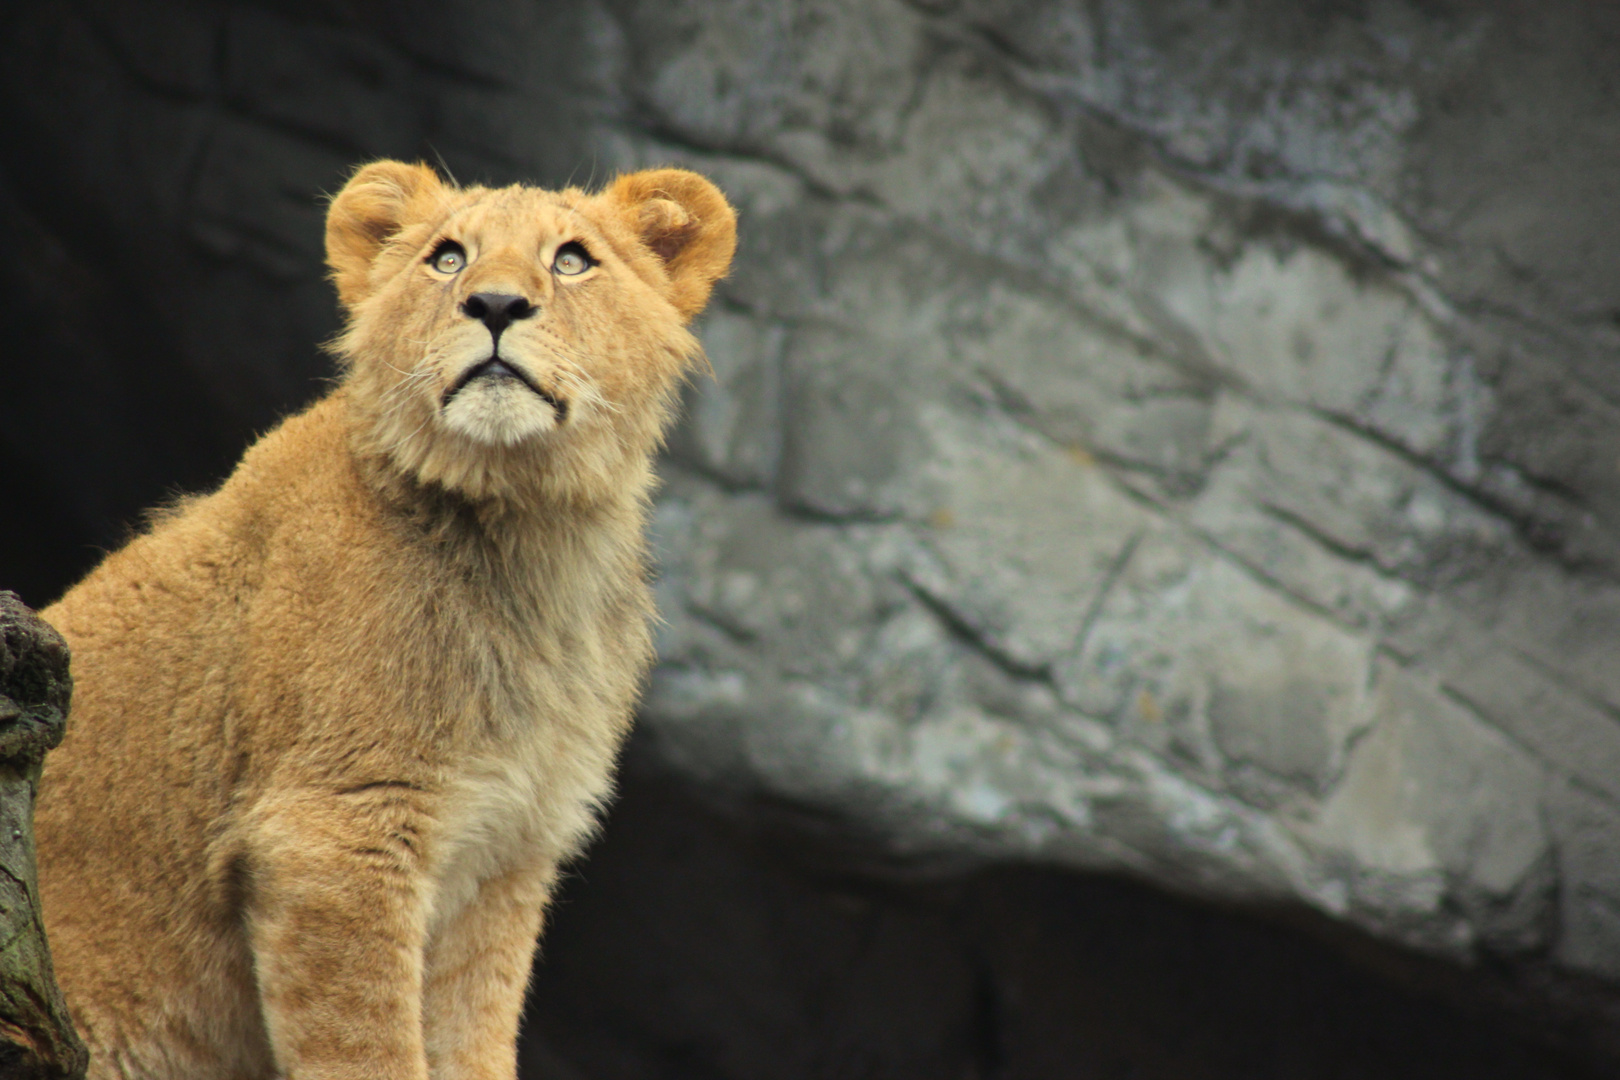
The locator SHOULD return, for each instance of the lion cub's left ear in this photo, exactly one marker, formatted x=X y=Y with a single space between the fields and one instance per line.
x=684 y=220
x=373 y=206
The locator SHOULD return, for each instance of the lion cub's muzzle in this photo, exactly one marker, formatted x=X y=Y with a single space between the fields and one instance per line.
x=497 y=311
x=496 y=368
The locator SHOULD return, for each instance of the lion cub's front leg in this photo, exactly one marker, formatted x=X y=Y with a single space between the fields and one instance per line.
x=477 y=971
x=336 y=916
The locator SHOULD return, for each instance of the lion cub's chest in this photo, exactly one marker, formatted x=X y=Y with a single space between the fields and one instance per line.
x=527 y=798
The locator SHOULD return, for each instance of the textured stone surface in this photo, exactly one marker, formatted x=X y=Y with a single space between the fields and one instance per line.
x=1180 y=438
x=1169 y=405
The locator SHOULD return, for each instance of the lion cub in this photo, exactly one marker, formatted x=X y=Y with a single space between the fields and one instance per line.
x=338 y=723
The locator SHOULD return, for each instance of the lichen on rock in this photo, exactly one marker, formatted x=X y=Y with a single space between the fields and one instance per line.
x=37 y=1039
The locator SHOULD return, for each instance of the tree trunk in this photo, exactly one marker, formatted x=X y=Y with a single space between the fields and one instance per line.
x=37 y=1039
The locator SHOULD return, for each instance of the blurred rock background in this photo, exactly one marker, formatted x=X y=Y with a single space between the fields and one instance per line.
x=1164 y=438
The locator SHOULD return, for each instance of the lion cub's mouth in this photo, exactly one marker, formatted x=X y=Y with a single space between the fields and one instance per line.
x=496 y=368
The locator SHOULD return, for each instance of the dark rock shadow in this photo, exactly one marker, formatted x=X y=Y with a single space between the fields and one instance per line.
x=697 y=942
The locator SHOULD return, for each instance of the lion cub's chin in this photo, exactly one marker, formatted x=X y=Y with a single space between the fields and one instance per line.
x=499 y=412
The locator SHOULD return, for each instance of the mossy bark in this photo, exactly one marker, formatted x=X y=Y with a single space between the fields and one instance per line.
x=37 y=1040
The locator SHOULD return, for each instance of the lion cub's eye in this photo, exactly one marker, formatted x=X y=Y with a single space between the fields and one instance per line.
x=572 y=259
x=448 y=258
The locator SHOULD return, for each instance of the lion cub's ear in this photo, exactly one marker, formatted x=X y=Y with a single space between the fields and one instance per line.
x=372 y=207
x=684 y=220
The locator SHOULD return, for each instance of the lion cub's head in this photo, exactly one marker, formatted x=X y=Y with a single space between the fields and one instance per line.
x=515 y=340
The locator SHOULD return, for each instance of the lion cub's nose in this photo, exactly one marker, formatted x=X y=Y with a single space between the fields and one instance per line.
x=496 y=310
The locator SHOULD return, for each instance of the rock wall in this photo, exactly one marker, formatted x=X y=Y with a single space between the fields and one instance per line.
x=1174 y=438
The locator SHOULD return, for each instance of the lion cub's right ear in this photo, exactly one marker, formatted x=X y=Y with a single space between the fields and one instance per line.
x=685 y=221
x=372 y=207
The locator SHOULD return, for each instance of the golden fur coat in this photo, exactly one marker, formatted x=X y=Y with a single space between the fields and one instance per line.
x=338 y=723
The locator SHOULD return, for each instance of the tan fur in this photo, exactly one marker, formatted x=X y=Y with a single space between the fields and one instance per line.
x=338 y=723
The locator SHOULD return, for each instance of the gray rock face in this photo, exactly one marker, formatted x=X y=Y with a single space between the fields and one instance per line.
x=1170 y=438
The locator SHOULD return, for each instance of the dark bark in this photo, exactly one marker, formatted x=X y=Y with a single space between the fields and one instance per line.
x=37 y=1039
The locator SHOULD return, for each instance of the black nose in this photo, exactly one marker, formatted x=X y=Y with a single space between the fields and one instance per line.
x=497 y=310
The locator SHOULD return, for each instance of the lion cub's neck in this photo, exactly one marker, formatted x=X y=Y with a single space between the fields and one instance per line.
x=432 y=471
x=516 y=534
